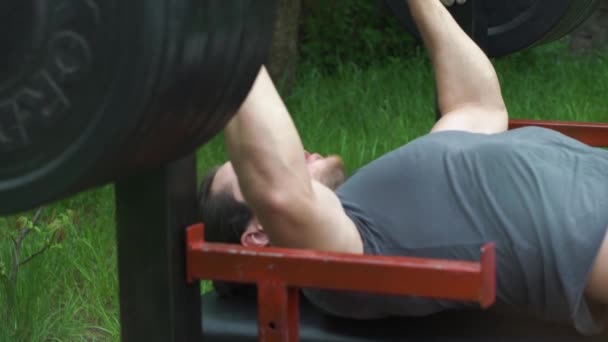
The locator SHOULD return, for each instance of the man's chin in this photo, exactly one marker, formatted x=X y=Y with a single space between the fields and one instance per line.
x=335 y=174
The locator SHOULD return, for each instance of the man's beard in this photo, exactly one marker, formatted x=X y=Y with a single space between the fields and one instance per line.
x=332 y=174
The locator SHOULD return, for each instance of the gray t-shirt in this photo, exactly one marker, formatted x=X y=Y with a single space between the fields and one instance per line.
x=540 y=196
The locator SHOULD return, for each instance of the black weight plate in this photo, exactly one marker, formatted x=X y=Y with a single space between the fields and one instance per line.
x=198 y=106
x=99 y=89
x=53 y=88
x=577 y=14
x=513 y=24
x=224 y=41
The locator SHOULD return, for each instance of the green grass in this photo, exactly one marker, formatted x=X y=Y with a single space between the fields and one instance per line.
x=70 y=294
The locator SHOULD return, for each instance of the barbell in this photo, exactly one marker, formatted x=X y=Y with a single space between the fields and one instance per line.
x=94 y=90
x=515 y=25
x=91 y=90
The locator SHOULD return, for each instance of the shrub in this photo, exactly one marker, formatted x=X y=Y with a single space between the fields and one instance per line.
x=358 y=32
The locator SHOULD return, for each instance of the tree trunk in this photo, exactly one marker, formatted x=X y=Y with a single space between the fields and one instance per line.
x=283 y=58
x=592 y=35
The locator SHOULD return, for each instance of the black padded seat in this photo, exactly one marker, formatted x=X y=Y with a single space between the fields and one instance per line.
x=235 y=320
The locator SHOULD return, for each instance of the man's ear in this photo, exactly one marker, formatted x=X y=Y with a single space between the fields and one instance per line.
x=254 y=235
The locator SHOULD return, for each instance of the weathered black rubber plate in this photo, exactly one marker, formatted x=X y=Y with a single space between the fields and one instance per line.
x=515 y=25
x=91 y=90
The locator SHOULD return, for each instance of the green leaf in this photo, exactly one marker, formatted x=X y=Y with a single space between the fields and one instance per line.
x=3 y=270
x=21 y=222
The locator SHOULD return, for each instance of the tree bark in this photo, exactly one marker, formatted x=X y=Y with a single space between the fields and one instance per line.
x=593 y=34
x=283 y=58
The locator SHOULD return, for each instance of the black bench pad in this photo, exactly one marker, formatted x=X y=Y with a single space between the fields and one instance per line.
x=235 y=320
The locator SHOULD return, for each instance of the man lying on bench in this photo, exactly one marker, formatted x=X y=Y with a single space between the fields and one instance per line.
x=540 y=196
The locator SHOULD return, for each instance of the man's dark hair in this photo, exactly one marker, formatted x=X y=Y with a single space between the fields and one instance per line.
x=225 y=221
x=224 y=217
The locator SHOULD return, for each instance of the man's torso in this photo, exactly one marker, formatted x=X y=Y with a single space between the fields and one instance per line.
x=540 y=196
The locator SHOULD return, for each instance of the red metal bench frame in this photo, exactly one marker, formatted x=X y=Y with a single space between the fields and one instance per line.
x=279 y=273
x=590 y=133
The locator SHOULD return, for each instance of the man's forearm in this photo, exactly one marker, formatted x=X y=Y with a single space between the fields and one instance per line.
x=264 y=146
x=463 y=72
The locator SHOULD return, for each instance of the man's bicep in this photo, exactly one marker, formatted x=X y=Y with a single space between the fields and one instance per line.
x=319 y=223
x=475 y=120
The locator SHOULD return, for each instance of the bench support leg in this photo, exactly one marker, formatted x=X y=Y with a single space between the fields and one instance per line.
x=153 y=209
x=278 y=312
